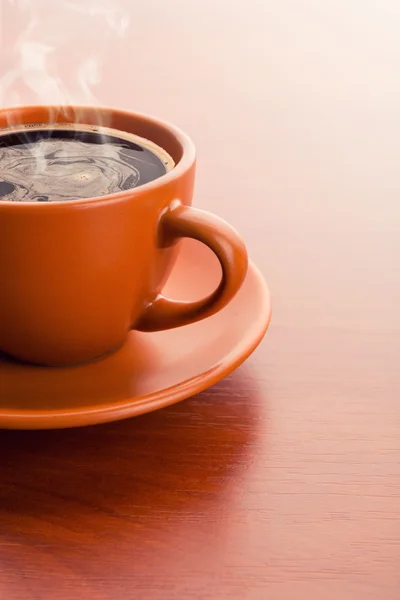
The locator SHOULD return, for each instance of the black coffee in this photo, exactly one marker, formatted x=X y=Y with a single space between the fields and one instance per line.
x=48 y=165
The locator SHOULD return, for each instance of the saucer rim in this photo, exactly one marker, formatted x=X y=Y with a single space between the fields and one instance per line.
x=136 y=406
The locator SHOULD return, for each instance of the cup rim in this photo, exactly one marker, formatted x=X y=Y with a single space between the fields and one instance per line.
x=186 y=161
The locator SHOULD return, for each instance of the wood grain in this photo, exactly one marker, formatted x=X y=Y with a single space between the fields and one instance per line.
x=282 y=481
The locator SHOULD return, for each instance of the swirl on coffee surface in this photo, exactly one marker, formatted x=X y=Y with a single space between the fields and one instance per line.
x=56 y=165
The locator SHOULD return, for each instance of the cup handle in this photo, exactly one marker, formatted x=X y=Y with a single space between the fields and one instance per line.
x=185 y=221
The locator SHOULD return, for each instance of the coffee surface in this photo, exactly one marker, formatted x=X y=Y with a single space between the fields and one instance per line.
x=56 y=165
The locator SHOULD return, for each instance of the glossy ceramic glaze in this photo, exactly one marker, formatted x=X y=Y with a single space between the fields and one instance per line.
x=151 y=370
x=80 y=274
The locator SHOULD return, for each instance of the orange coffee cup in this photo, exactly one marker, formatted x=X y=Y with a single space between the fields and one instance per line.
x=76 y=276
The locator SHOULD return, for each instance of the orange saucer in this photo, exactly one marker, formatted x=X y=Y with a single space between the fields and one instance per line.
x=152 y=370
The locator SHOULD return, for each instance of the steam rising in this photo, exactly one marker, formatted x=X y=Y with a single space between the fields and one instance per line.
x=57 y=54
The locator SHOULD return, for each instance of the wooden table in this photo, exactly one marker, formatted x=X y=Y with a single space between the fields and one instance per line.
x=283 y=481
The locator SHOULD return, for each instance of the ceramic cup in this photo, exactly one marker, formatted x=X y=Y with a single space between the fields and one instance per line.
x=77 y=276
